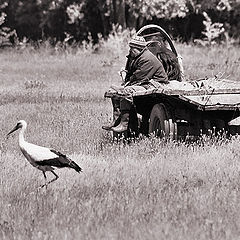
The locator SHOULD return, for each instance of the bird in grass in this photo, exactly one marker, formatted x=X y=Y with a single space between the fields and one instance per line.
x=44 y=159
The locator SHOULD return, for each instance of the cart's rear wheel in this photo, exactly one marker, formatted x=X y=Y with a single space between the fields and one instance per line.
x=161 y=123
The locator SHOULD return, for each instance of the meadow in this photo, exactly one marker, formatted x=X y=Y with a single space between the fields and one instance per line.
x=149 y=189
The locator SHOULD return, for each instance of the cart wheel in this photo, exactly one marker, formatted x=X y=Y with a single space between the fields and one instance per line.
x=161 y=124
x=172 y=129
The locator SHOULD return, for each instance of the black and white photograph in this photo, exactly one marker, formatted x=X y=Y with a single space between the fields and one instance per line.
x=120 y=119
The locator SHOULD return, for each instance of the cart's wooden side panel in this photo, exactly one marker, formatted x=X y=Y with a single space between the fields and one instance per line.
x=193 y=109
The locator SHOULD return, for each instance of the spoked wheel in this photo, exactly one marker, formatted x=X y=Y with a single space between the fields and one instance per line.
x=161 y=123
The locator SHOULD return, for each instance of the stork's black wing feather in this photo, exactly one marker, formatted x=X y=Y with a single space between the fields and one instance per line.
x=58 y=153
x=55 y=162
x=60 y=162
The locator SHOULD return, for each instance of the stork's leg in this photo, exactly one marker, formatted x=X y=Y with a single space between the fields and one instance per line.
x=56 y=177
x=45 y=178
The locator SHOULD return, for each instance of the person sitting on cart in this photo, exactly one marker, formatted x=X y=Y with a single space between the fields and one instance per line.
x=157 y=46
x=142 y=66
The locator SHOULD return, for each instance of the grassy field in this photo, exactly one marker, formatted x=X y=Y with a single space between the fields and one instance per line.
x=149 y=189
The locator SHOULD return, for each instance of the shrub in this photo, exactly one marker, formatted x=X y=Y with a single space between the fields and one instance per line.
x=6 y=34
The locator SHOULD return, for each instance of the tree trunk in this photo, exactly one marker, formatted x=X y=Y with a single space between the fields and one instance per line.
x=119 y=17
x=121 y=13
x=103 y=11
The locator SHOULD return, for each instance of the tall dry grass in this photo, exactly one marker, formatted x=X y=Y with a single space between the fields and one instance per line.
x=149 y=189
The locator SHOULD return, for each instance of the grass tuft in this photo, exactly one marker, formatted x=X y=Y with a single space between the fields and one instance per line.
x=149 y=189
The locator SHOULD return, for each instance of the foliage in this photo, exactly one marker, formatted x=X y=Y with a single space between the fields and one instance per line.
x=212 y=31
x=6 y=34
x=158 y=8
x=74 y=12
x=42 y=19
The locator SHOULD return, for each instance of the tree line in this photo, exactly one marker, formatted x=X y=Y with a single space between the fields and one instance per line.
x=183 y=19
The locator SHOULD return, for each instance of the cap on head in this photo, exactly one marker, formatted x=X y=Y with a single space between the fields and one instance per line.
x=138 y=42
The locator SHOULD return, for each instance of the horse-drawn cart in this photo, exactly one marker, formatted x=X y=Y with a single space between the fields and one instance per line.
x=183 y=108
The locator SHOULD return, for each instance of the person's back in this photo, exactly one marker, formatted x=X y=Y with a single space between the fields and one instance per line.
x=143 y=66
x=156 y=70
x=168 y=59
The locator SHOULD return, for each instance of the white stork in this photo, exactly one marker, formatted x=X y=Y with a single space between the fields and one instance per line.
x=44 y=159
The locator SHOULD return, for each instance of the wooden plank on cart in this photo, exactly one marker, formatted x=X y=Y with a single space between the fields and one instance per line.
x=214 y=102
x=210 y=94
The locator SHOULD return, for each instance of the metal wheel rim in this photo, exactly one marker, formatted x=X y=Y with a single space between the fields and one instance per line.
x=157 y=127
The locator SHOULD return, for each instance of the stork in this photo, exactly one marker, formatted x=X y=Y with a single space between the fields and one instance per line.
x=44 y=159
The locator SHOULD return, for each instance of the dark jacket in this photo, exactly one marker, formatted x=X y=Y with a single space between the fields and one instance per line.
x=143 y=67
x=168 y=59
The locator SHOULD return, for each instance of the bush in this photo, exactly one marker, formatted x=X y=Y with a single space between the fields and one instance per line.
x=6 y=34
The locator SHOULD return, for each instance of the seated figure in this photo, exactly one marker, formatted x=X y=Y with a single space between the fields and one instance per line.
x=142 y=66
x=167 y=57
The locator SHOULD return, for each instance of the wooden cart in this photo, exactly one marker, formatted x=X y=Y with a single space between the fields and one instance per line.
x=182 y=108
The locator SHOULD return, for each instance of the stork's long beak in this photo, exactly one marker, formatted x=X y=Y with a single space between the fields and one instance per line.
x=13 y=130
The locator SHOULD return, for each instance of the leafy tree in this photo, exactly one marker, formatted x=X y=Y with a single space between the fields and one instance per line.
x=27 y=17
x=39 y=19
x=7 y=35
